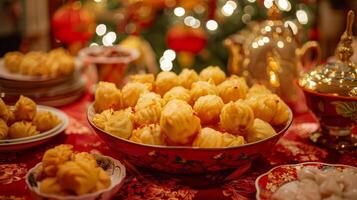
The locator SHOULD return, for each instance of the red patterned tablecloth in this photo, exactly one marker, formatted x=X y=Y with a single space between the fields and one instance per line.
x=293 y=147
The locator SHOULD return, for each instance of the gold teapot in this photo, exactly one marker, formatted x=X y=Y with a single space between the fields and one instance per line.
x=269 y=54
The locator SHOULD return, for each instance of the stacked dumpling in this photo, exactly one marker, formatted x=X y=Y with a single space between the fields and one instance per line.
x=57 y=62
x=65 y=172
x=148 y=109
x=24 y=120
x=178 y=122
x=165 y=81
x=207 y=110
x=107 y=97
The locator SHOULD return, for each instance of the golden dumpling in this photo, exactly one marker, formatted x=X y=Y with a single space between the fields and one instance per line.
x=149 y=134
x=178 y=123
x=232 y=89
x=208 y=138
x=257 y=89
x=187 y=77
x=131 y=93
x=202 y=88
x=270 y=108
x=32 y=63
x=229 y=140
x=146 y=98
x=213 y=73
x=208 y=108
x=147 y=79
x=103 y=180
x=45 y=121
x=25 y=109
x=100 y=119
x=59 y=62
x=236 y=117
x=22 y=129
x=55 y=157
x=12 y=60
x=4 y=111
x=165 y=81
x=259 y=131
x=78 y=177
x=120 y=124
x=84 y=157
x=4 y=129
x=148 y=109
x=50 y=185
x=107 y=96
x=178 y=92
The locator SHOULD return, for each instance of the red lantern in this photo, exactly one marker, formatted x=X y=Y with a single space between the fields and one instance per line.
x=71 y=23
x=187 y=39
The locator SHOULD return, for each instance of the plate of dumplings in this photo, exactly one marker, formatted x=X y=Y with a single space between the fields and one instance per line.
x=37 y=66
x=189 y=122
x=26 y=124
x=68 y=175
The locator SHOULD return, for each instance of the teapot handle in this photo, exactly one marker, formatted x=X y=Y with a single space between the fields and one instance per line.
x=235 y=57
x=302 y=53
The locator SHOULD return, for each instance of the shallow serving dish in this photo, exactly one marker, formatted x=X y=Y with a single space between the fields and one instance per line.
x=187 y=160
x=27 y=142
x=24 y=80
x=114 y=169
x=268 y=183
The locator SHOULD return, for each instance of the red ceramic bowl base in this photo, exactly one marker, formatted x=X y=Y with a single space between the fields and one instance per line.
x=337 y=116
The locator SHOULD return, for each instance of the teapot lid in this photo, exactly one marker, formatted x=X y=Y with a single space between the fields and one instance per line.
x=339 y=77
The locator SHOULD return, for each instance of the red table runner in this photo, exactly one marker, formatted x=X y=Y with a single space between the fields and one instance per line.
x=293 y=147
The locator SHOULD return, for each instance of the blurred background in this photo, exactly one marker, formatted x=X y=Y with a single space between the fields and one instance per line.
x=173 y=33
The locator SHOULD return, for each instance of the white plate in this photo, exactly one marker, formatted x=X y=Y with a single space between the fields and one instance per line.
x=7 y=75
x=115 y=170
x=27 y=142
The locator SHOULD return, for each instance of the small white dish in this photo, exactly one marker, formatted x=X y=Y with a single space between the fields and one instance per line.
x=27 y=142
x=114 y=168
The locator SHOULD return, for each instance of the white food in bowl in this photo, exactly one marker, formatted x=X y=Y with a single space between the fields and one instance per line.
x=316 y=184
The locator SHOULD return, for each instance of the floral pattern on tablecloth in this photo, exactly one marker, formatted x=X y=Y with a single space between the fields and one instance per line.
x=10 y=173
x=155 y=189
x=241 y=189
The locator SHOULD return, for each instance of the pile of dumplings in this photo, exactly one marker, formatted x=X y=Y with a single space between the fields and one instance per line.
x=206 y=110
x=64 y=172
x=57 y=62
x=24 y=120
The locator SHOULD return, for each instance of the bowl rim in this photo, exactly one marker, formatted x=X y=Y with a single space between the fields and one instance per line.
x=258 y=191
x=44 y=135
x=326 y=94
x=71 y=197
x=133 y=55
x=90 y=114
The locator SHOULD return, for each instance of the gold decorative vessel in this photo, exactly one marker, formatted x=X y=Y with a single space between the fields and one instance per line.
x=331 y=93
x=269 y=53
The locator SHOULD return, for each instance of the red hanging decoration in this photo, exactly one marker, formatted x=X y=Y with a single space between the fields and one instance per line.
x=187 y=39
x=72 y=24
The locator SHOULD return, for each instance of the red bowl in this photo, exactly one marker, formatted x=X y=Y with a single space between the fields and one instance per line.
x=111 y=62
x=188 y=160
x=337 y=114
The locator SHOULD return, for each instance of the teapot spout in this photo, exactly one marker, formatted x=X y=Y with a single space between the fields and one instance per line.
x=235 y=57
